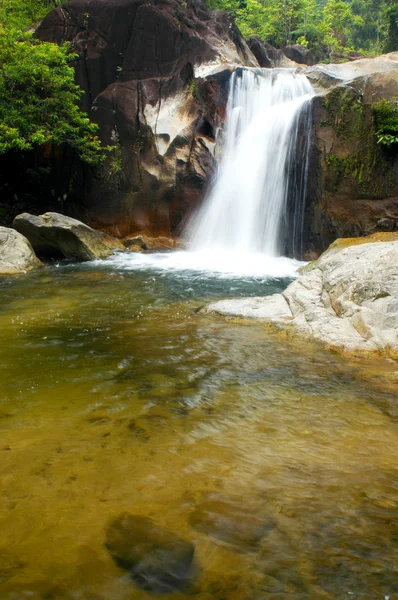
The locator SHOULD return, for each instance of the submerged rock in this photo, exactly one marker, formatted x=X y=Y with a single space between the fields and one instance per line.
x=16 y=253
x=231 y=522
x=56 y=235
x=347 y=299
x=158 y=560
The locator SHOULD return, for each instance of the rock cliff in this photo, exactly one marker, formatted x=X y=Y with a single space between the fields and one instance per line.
x=353 y=180
x=155 y=75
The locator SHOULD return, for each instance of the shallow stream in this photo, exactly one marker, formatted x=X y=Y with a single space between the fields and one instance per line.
x=277 y=459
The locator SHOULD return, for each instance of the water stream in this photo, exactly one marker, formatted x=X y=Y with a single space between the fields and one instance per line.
x=256 y=201
x=277 y=460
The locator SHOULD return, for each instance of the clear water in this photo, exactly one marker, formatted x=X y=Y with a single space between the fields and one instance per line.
x=247 y=209
x=118 y=395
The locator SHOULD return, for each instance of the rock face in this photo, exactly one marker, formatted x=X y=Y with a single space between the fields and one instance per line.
x=268 y=56
x=299 y=54
x=155 y=75
x=54 y=235
x=158 y=560
x=16 y=253
x=352 y=180
x=347 y=299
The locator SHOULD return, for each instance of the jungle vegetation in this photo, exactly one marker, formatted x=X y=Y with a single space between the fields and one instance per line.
x=38 y=95
x=331 y=28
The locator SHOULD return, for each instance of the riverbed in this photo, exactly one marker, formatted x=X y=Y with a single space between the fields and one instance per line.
x=119 y=395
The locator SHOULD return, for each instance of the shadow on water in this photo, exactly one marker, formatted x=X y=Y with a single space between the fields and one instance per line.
x=252 y=467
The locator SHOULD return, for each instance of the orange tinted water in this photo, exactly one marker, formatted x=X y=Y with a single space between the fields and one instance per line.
x=117 y=396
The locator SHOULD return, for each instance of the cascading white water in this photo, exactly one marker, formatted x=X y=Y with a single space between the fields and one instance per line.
x=253 y=217
x=247 y=208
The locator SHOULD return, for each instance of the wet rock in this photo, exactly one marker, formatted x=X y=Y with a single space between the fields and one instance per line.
x=231 y=522
x=158 y=560
x=353 y=180
x=137 y=243
x=55 y=235
x=145 y=243
x=16 y=253
x=386 y=224
x=347 y=299
x=138 y=432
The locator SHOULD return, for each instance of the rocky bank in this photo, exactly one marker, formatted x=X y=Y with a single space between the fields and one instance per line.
x=347 y=299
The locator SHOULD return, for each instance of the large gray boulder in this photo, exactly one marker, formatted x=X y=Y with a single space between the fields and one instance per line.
x=16 y=253
x=347 y=299
x=55 y=235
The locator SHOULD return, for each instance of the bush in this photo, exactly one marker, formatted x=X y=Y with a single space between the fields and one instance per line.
x=386 y=119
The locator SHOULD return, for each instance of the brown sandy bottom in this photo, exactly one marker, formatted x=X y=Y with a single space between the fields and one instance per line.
x=277 y=461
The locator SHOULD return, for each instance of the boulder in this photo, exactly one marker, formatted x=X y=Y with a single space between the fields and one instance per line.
x=16 y=253
x=347 y=299
x=260 y=52
x=299 y=54
x=55 y=235
x=157 y=559
x=268 y=56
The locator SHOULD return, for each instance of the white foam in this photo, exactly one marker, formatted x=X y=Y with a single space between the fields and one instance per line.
x=220 y=264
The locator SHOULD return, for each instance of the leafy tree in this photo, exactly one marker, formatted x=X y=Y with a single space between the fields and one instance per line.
x=338 y=22
x=252 y=20
x=38 y=95
x=292 y=19
x=323 y=25
x=23 y=14
x=392 y=27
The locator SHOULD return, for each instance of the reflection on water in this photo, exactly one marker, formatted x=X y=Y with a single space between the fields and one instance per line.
x=277 y=461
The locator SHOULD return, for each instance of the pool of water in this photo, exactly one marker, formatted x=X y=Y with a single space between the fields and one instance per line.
x=277 y=459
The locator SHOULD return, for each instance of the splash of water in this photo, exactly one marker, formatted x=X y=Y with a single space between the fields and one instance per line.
x=256 y=204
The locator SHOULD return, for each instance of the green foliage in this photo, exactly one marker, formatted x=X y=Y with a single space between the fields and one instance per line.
x=326 y=26
x=386 y=118
x=24 y=14
x=337 y=24
x=192 y=89
x=392 y=27
x=38 y=96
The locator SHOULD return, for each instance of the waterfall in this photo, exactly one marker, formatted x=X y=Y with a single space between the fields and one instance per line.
x=255 y=204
